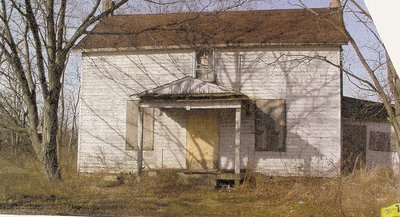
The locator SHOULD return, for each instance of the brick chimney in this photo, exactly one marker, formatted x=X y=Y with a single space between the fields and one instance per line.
x=108 y=4
x=335 y=5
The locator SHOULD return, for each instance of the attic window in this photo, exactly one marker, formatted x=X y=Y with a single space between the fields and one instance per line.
x=205 y=65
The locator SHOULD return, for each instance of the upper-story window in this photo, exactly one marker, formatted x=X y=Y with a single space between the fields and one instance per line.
x=205 y=65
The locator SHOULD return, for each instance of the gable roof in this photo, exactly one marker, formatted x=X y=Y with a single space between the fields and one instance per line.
x=289 y=26
x=190 y=88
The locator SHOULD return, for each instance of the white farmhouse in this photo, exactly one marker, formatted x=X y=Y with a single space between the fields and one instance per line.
x=214 y=92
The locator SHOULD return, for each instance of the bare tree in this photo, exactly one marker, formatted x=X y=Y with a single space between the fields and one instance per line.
x=13 y=121
x=36 y=38
x=178 y=6
x=379 y=77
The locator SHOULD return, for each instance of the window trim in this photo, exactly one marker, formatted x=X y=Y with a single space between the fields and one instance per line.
x=211 y=54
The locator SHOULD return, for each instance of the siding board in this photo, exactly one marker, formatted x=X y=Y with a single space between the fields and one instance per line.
x=311 y=91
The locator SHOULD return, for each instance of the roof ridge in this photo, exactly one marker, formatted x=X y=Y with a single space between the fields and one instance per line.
x=215 y=12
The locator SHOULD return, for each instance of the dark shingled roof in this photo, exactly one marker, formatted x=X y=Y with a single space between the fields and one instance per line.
x=289 y=26
x=358 y=109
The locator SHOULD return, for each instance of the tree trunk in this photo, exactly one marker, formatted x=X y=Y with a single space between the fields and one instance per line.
x=50 y=128
x=49 y=142
x=396 y=82
x=60 y=138
x=72 y=137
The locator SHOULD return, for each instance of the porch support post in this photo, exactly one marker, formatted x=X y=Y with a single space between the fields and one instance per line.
x=140 y=142
x=237 y=140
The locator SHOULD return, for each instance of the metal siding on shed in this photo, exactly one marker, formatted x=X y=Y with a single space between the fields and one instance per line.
x=387 y=159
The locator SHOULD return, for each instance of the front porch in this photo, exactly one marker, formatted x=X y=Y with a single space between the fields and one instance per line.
x=202 y=102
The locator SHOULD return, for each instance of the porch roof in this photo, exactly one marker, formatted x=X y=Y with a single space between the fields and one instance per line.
x=189 y=88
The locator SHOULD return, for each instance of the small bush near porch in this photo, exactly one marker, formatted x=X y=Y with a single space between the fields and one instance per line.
x=23 y=191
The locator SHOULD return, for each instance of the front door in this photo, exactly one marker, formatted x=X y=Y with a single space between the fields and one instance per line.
x=202 y=140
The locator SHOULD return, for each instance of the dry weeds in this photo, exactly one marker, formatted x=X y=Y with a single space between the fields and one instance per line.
x=23 y=190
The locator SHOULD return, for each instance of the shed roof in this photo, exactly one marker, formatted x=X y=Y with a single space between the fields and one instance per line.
x=289 y=26
x=358 y=109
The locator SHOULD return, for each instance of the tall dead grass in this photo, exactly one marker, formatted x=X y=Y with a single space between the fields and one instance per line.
x=369 y=190
x=362 y=193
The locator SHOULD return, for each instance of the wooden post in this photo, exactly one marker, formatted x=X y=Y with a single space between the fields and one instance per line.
x=237 y=140
x=140 y=142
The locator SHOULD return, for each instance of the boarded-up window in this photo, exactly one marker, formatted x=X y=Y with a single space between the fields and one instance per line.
x=270 y=125
x=381 y=141
x=132 y=115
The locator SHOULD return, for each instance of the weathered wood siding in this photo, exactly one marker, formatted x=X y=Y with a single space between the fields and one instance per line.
x=311 y=89
x=108 y=79
x=227 y=139
x=388 y=159
x=170 y=139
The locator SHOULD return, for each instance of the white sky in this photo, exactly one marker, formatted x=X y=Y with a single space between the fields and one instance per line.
x=386 y=16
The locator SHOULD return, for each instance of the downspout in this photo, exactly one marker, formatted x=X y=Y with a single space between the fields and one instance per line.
x=239 y=69
x=336 y=6
x=341 y=109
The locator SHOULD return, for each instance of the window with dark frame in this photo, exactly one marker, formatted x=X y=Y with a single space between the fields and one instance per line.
x=205 y=65
x=131 y=142
x=381 y=141
x=270 y=125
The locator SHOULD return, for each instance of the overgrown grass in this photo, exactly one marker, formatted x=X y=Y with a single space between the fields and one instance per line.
x=23 y=190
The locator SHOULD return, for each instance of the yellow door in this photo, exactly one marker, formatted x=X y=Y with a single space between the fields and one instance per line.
x=202 y=140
